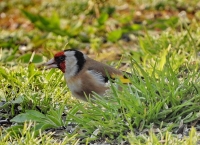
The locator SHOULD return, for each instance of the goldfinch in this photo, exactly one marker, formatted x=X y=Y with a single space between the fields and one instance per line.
x=83 y=74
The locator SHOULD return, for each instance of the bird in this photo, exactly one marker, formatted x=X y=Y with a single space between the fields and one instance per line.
x=84 y=76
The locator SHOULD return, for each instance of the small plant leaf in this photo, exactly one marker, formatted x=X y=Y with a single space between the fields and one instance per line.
x=35 y=113
x=115 y=35
x=3 y=72
x=21 y=118
x=103 y=18
x=29 y=115
x=18 y=100
x=26 y=57
x=32 y=17
x=31 y=69
x=16 y=129
x=50 y=74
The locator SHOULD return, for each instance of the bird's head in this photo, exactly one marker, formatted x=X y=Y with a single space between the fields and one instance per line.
x=68 y=61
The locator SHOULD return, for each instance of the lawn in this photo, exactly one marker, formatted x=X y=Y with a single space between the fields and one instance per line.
x=157 y=41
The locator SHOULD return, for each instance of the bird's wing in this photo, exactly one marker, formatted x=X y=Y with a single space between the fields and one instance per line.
x=124 y=77
x=107 y=72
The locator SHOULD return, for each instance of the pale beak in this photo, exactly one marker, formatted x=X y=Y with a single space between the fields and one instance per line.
x=51 y=64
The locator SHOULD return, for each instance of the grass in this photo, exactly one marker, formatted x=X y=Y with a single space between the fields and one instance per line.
x=161 y=107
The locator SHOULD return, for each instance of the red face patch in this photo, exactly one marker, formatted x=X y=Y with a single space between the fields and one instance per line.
x=60 y=60
x=59 y=54
x=62 y=67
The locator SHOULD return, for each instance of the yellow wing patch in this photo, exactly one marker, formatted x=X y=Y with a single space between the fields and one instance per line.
x=122 y=78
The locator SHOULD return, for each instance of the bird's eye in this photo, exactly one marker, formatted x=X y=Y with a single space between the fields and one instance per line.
x=61 y=58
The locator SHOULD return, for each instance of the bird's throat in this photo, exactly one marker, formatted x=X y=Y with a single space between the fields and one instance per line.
x=62 y=67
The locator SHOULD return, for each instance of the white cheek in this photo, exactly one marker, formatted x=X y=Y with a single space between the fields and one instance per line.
x=71 y=67
x=71 y=61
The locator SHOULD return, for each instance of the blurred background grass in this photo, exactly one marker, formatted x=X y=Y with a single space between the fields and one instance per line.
x=93 y=26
